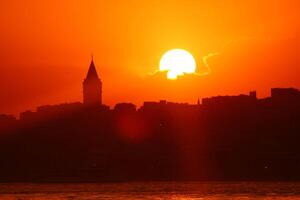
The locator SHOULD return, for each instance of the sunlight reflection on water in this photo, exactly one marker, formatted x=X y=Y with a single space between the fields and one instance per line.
x=155 y=191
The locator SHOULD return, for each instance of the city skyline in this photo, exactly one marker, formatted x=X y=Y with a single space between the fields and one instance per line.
x=243 y=45
x=150 y=99
x=225 y=138
x=92 y=95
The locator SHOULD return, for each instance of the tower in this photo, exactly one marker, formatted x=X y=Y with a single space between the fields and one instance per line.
x=198 y=102
x=92 y=87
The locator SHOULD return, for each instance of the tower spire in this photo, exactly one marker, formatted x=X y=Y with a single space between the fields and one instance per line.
x=92 y=72
x=92 y=86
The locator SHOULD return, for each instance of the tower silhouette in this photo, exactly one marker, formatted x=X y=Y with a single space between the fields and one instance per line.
x=92 y=87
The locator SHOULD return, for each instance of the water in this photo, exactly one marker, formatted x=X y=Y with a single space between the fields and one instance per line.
x=155 y=191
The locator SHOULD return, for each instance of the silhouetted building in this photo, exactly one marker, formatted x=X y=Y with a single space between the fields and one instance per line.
x=153 y=106
x=198 y=102
x=285 y=96
x=164 y=106
x=27 y=116
x=253 y=94
x=125 y=107
x=221 y=138
x=7 y=120
x=231 y=100
x=284 y=92
x=92 y=87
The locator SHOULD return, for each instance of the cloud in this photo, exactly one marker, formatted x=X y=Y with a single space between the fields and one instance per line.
x=256 y=63
x=205 y=62
x=240 y=66
x=203 y=68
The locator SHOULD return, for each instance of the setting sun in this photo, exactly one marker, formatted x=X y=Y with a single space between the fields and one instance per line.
x=177 y=62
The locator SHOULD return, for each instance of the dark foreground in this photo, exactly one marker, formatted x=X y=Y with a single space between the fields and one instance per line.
x=154 y=190
x=230 y=138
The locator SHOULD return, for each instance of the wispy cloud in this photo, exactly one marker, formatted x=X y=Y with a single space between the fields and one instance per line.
x=205 y=62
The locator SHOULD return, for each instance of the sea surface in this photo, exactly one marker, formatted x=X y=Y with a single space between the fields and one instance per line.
x=153 y=190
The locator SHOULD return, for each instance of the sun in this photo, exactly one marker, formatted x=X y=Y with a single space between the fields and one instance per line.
x=177 y=62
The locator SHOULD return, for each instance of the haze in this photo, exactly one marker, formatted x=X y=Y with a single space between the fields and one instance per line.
x=238 y=45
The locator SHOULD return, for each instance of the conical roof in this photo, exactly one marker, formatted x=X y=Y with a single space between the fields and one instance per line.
x=92 y=73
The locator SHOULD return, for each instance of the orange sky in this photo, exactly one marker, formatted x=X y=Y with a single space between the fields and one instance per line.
x=46 y=48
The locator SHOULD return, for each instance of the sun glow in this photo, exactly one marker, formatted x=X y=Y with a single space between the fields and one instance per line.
x=177 y=62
